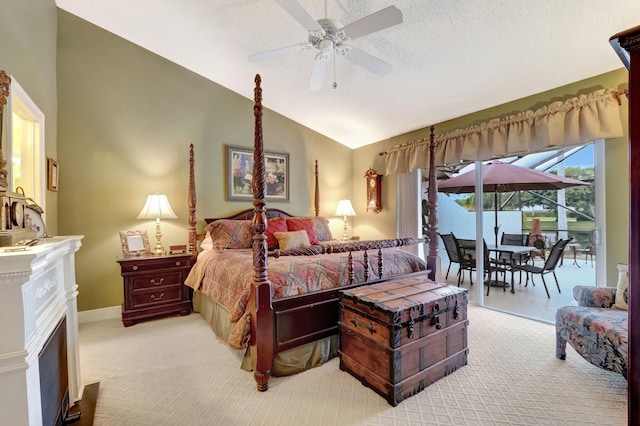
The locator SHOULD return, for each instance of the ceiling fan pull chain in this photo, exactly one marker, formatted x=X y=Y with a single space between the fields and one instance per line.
x=335 y=85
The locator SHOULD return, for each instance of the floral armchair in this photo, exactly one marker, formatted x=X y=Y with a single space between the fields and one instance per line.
x=596 y=329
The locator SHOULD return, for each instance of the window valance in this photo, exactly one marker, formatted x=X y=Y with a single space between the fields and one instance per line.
x=574 y=121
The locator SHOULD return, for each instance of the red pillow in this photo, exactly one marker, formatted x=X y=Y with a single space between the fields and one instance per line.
x=279 y=224
x=303 y=223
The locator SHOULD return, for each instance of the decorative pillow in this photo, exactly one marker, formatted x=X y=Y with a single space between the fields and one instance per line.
x=279 y=224
x=300 y=224
x=623 y=287
x=321 y=226
x=231 y=234
x=292 y=240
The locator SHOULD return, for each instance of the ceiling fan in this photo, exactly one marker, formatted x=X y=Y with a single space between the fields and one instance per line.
x=328 y=36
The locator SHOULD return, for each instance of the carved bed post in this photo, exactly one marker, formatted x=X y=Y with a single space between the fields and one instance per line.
x=433 y=259
x=629 y=40
x=260 y=308
x=192 y=207
x=316 y=199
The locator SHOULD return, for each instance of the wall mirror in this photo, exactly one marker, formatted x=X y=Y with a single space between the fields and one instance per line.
x=24 y=145
x=5 y=84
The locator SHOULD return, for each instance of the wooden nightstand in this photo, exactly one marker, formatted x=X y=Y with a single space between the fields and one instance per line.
x=154 y=286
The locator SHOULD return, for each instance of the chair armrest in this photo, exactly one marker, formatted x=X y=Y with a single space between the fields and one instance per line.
x=597 y=297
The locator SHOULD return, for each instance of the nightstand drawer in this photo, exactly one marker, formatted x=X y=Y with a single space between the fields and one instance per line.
x=157 y=297
x=151 y=264
x=156 y=280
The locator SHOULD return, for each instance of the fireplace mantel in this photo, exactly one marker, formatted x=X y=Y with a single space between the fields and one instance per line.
x=37 y=289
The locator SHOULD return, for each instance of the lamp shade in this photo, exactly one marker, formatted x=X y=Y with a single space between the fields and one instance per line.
x=345 y=208
x=157 y=207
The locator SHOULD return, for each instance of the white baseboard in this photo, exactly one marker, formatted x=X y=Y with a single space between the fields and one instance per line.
x=99 y=314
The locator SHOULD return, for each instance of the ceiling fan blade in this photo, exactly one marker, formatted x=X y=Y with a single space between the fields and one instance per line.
x=299 y=13
x=276 y=53
x=319 y=71
x=368 y=62
x=377 y=21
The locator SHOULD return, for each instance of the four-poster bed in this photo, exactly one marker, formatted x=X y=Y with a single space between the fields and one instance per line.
x=289 y=325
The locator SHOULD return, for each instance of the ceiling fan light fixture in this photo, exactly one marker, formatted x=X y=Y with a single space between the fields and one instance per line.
x=326 y=46
x=329 y=36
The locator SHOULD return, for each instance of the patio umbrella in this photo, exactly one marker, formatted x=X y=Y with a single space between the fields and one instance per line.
x=500 y=177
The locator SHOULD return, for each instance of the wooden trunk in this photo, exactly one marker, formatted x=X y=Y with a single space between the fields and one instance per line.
x=400 y=336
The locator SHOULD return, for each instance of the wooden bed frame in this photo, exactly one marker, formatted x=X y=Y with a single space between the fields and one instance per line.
x=281 y=324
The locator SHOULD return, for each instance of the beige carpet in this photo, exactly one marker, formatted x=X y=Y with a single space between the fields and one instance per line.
x=173 y=371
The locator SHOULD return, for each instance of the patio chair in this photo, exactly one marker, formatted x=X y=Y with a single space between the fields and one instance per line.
x=589 y=252
x=492 y=267
x=515 y=240
x=557 y=251
x=456 y=255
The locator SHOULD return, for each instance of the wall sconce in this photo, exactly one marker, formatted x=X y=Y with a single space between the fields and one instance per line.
x=345 y=209
x=157 y=207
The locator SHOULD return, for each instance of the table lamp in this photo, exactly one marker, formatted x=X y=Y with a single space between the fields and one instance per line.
x=345 y=209
x=157 y=207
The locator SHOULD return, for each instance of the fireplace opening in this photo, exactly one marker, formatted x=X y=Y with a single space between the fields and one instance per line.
x=54 y=377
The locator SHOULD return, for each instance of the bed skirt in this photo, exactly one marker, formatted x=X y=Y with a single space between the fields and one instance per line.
x=285 y=363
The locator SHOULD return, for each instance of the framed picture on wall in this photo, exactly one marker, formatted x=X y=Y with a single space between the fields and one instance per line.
x=52 y=169
x=240 y=172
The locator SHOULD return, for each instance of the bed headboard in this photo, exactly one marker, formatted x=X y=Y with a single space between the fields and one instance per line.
x=248 y=215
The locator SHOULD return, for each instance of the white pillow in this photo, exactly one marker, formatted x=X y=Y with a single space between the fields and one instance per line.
x=207 y=243
x=623 y=287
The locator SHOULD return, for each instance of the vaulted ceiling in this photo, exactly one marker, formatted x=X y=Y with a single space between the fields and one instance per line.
x=449 y=58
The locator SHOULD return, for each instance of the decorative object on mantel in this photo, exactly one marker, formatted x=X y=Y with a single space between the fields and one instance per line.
x=345 y=209
x=374 y=190
x=157 y=207
x=5 y=83
x=33 y=215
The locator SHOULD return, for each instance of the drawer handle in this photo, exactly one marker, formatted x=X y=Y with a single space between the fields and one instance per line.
x=178 y=263
x=153 y=281
x=135 y=267
x=153 y=296
x=357 y=323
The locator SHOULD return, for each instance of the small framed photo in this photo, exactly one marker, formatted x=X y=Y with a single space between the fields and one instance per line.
x=240 y=172
x=52 y=169
x=134 y=243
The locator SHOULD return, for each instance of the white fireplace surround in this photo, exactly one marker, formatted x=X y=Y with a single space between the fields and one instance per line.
x=37 y=289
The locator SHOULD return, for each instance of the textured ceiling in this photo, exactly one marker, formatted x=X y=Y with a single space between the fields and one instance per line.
x=449 y=58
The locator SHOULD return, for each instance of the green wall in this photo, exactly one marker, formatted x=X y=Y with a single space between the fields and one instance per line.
x=119 y=120
x=616 y=163
x=126 y=118
x=28 y=54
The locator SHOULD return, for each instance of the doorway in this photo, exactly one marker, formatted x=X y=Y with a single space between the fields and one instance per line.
x=576 y=213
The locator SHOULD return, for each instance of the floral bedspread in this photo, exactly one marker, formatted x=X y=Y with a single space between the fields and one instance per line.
x=227 y=276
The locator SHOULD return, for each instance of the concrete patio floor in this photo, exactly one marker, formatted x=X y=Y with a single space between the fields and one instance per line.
x=531 y=301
